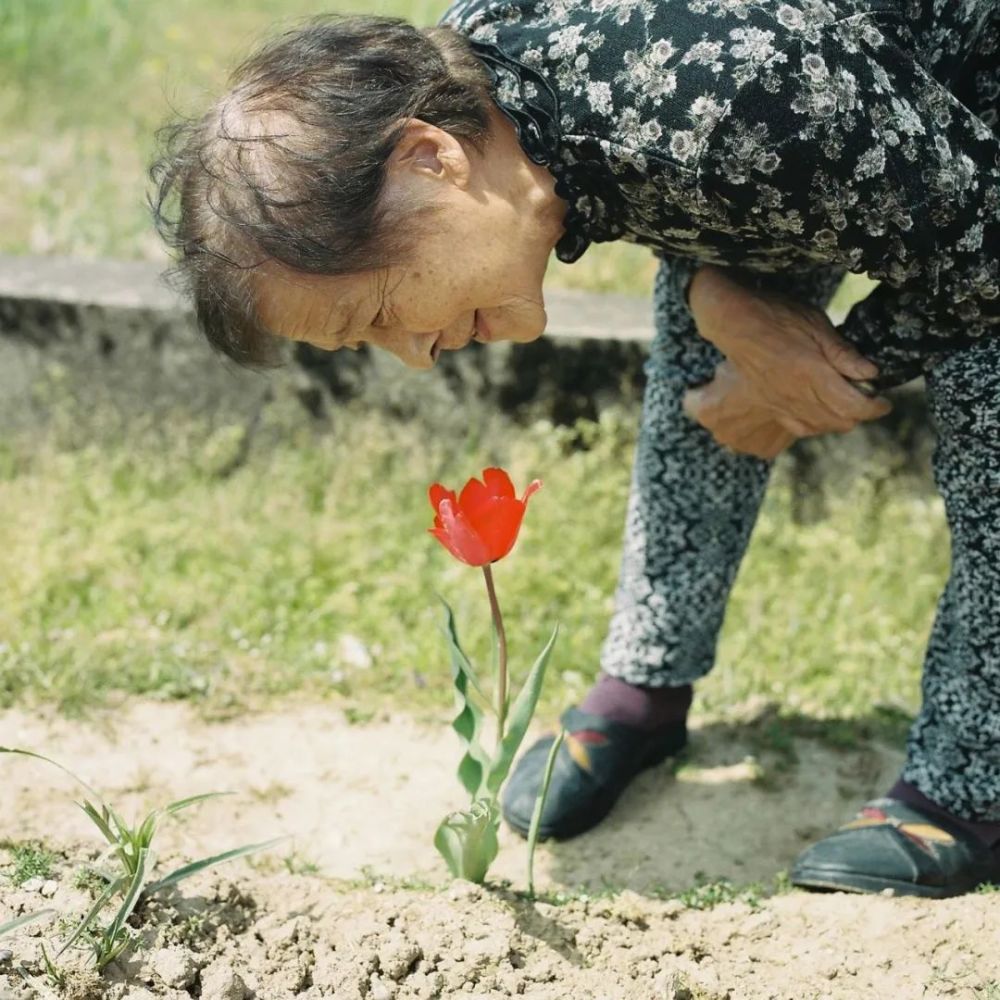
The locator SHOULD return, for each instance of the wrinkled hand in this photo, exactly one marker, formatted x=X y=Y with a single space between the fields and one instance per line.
x=792 y=358
x=730 y=408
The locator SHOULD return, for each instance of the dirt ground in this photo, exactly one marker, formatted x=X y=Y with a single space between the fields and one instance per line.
x=323 y=914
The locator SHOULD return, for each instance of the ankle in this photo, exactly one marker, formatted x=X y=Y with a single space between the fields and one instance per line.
x=987 y=833
x=640 y=706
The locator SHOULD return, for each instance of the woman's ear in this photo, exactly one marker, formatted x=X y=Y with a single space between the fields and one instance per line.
x=430 y=152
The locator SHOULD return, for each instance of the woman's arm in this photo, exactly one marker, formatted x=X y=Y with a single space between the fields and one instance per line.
x=862 y=159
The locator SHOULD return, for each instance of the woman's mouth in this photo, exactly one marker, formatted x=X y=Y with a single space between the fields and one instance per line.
x=482 y=331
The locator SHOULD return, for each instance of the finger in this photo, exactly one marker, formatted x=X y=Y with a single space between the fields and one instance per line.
x=844 y=356
x=846 y=401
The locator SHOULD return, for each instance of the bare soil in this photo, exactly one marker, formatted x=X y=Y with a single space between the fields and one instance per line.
x=356 y=903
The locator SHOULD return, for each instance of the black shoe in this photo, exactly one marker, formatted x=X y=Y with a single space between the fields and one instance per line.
x=892 y=845
x=592 y=768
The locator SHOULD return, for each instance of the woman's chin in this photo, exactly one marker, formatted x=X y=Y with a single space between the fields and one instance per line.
x=522 y=327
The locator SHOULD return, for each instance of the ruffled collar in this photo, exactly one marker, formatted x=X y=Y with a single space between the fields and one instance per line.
x=527 y=99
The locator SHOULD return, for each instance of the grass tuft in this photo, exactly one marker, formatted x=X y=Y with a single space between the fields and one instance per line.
x=31 y=859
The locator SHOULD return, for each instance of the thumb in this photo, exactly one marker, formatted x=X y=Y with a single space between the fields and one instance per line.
x=843 y=356
x=694 y=400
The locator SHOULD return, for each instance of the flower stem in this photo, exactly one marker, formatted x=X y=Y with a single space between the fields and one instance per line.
x=501 y=706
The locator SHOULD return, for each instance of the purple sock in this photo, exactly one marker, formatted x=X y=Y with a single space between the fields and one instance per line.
x=646 y=708
x=986 y=832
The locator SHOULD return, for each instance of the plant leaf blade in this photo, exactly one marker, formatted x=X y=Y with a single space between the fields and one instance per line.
x=186 y=871
x=474 y=765
x=468 y=842
x=25 y=918
x=521 y=713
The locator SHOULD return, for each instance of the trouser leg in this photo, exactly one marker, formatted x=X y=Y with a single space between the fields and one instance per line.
x=692 y=503
x=953 y=752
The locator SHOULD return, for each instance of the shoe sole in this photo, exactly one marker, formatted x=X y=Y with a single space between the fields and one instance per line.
x=603 y=805
x=807 y=878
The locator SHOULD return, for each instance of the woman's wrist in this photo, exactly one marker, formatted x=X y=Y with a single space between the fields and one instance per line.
x=712 y=297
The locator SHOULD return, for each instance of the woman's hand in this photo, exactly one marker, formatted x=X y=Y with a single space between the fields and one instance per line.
x=738 y=419
x=789 y=354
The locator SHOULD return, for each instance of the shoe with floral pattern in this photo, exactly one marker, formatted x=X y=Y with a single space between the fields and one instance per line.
x=593 y=767
x=892 y=845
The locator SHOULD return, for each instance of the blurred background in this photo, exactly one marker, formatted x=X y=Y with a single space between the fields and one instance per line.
x=85 y=85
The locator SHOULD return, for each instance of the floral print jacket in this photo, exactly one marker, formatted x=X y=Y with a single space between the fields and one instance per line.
x=774 y=135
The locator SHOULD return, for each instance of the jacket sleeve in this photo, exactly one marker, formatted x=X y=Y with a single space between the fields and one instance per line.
x=846 y=148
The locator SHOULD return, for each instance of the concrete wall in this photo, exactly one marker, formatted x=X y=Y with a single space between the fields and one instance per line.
x=83 y=332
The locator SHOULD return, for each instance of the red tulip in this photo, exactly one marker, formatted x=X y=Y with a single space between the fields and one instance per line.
x=480 y=526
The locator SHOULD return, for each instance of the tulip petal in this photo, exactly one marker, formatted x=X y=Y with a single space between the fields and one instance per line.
x=437 y=493
x=498 y=483
x=474 y=497
x=499 y=525
x=533 y=487
x=459 y=537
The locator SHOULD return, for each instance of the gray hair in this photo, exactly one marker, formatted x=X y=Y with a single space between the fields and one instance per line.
x=289 y=166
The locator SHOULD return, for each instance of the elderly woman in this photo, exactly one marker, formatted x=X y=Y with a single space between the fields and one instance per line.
x=365 y=182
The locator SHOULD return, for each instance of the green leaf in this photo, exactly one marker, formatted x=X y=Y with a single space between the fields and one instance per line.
x=26 y=918
x=520 y=718
x=54 y=763
x=474 y=764
x=144 y=835
x=100 y=820
x=468 y=840
x=455 y=647
x=92 y=913
x=196 y=866
x=111 y=946
x=536 y=815
x=176 y=807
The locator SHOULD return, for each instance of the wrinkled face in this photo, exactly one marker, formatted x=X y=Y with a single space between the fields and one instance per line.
x=475 y=269
x=456 y=287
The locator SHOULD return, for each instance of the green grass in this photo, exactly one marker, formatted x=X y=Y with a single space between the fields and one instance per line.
x=30 y=860
x=133 y=568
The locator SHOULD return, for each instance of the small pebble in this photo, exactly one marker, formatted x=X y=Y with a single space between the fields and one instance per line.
x=33 y=884
x=5 y=955
x=380 y=990
x=49 y=887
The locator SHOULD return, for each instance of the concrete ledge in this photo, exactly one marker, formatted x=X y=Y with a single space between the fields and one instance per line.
x=112 y=331
x=117 y=323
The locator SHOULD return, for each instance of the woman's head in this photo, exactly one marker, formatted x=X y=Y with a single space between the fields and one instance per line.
x=357 y=184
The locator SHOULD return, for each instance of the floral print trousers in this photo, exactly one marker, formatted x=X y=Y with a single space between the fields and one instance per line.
x=693 y=505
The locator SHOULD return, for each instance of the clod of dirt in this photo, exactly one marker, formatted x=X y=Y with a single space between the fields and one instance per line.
x=398 y=956
x=220 y=982
x=11 y=990
x=378 y=989
x=83 y=984
x=174 y=966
